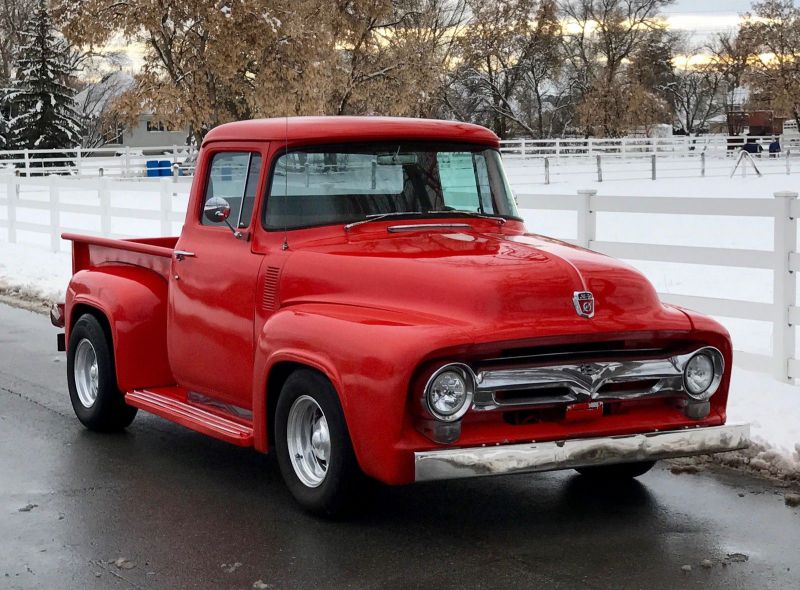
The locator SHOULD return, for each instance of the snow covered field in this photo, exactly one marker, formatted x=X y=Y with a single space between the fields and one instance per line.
x=772 y=407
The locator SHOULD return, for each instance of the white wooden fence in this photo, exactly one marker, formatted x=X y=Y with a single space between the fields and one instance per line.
x=123 y=161
x=44 y=195
x=106 y=199
x=782 y=260
x=677 y=145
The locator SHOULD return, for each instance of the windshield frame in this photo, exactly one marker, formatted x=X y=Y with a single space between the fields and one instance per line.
x=438 y=146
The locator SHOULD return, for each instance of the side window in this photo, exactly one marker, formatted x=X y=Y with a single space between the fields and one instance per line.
x=234 y=177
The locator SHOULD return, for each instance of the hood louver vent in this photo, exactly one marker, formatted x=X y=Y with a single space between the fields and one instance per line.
x=269 y=300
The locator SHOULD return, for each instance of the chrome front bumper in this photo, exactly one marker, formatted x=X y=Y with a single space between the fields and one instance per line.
x=582 y=452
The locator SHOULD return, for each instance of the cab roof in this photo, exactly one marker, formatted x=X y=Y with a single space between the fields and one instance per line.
x=316 y=130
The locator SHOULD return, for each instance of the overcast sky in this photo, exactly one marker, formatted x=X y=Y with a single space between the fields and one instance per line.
x=702 y=18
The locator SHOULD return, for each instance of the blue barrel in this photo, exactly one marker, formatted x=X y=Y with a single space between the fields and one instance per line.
x=152 y=168
x=165 y=167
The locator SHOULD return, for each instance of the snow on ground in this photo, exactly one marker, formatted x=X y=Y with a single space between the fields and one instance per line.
x=772 y=407
x=34 y=271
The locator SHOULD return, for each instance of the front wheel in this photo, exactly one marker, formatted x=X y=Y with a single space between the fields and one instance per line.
x=314 y=451
x=621 y=471
x=96 y=399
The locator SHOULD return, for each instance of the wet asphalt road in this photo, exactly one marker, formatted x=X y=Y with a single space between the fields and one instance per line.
x=186 y=511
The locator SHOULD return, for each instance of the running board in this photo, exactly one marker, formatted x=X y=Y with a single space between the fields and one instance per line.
x=167 y=403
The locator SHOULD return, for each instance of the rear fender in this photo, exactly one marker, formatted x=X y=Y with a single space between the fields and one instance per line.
x=134 y=302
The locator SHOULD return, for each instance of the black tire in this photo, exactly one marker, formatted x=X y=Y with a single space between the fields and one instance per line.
x=108 y=412
x=619 y=472
x=343 y=482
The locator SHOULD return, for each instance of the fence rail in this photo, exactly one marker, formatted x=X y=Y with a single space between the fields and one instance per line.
x=784 y=209
x=631 y=147
x=96 y=202
x=126 y=162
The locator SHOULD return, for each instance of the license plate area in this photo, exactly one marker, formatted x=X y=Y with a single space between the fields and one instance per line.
x=584 y=411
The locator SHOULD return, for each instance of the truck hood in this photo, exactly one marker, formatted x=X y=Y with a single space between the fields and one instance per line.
x=501 y=283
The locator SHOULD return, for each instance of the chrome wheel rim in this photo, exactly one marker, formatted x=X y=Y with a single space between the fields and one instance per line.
x=308 y=440
x=86 y=372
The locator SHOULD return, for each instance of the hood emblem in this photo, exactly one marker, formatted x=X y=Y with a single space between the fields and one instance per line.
x=584 y=303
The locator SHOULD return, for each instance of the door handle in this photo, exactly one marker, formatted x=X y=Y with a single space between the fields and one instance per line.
x=181 y=254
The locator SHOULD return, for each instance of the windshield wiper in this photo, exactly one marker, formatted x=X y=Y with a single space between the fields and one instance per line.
x=378 y=217
x=500 y=220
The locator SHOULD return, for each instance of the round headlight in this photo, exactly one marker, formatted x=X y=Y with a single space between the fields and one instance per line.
x=448 y=394
x=699 y=374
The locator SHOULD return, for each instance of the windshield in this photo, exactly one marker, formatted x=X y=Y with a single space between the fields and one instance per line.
x=345 y=184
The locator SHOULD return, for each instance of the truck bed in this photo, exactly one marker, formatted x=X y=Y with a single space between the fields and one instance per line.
x=151 y=253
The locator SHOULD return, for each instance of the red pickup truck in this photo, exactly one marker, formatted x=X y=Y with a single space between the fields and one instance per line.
x=361 y=295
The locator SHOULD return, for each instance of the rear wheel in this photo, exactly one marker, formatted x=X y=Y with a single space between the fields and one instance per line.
x=313 y=445
x=621 y=471
x=96 y=399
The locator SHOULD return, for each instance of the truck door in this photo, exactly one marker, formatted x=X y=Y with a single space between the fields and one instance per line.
x=213 y=281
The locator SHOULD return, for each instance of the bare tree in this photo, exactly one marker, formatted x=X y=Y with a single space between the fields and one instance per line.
x=600 y=38
x=695 y=92
x=391 y=54
x=508 y=57
x=773 y=39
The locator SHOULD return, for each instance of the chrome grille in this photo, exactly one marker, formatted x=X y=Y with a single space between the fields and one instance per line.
x=573 y=382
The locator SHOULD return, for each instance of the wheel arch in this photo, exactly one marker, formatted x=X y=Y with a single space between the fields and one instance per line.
x=281 y=367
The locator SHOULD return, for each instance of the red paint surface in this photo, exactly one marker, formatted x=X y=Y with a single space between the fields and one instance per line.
x=372 y=310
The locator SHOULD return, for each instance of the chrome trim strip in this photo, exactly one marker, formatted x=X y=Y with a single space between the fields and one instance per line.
x=583 y=381
x=585 y=452
x=393 y=229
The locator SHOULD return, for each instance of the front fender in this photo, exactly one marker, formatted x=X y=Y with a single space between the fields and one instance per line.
x=134 y=300
x=368 y=354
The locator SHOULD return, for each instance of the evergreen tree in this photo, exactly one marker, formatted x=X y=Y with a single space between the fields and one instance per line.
x=42 y=109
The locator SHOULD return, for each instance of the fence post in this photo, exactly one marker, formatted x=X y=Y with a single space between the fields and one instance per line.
x=587 y=220
x=599 y=169
x=522 y=150
x=546 y=170
x=79 y=160
x=785 y=289
x=788 y=161
x=166 y=208
x=55 y=222
x=702 y=164
x=653 y=166
x=104 y=196
x=12 y=193
x=558 y=147
x=27 y=163
x=127 y=162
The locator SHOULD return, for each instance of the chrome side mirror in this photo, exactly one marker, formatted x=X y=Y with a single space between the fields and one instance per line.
x=217 y=210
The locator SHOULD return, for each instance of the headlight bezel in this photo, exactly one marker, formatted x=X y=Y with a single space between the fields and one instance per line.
x=718 y=366
x=467 y=375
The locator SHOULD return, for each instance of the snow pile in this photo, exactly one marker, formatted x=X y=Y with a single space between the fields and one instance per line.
x=773 y=410
x=34 y=273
